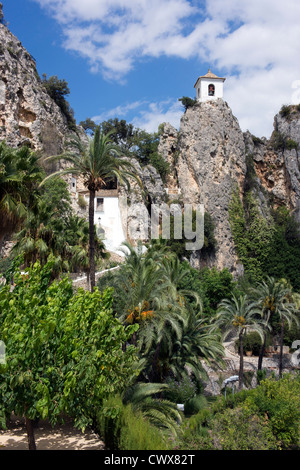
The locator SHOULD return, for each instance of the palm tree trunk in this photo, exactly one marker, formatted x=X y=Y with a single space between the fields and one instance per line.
x=92 y=240
x=30 y=434
x=241 y=371
x=261 y=353
x=281 y=349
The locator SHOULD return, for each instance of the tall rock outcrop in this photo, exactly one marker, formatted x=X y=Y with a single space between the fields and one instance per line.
x=277 y=161
x=211 y=162
x=210 y=156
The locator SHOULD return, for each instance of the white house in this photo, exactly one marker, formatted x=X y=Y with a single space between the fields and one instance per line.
x=209 y=87
x=107 y=218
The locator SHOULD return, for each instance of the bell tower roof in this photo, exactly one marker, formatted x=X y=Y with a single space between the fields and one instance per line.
x=210 y=75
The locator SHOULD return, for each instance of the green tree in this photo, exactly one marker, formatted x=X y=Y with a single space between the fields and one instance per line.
x=98 y=163
x=20 y=174
x=238 y=315
x=57 y=89
x=64 y=350
x=252 y=234
x=187 y=102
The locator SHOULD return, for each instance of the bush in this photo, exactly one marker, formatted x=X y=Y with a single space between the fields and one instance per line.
x=194 y=405
x=264 y=418
x=122 y=429
x=252 y=342
x=180 y=391
x=240 y=430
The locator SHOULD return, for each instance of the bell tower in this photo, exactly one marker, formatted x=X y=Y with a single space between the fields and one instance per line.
x=209 y=87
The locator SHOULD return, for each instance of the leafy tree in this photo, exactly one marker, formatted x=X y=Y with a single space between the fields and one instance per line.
x=211 y=285
x=64 y=350
x=88 y=125
x=20 y=174
x=187 y=102
x=122 y=133
x=98 y=163
x=57 y=89
x=252 y=234
x=53 y=229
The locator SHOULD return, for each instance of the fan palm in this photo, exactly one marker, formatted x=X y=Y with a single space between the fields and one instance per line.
x=160 y=412
x=98 y=163
x=19 y=174
x=239 y=315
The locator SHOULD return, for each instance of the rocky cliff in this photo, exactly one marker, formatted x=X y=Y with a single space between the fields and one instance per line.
x=210 y=156
x=28 y=116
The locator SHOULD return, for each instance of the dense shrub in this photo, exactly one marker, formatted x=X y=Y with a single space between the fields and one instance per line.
x=240 y=430
x=264 y=418
x=180 y=391
x=252 y=342
x=123 y=429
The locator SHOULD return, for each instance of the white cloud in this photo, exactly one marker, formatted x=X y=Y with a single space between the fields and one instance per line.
x=157 y=113
x=255 y=43
x=145 y=115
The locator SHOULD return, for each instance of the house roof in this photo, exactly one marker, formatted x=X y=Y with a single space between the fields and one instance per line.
x=210 y=75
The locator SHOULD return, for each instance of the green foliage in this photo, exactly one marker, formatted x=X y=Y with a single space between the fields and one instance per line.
x=212 y=285
x=278 y=401
x=266 y=247
x=124 y=429
x=57 y=90
x=88 y=125
x=195 y=404
x=264 y=418
x=285 y=111
x=180 y=391
x=240 y=430
x=135 y=142
x=252 y=342
x=285 y=248
x=280 y=142
x=187 y=102
x=20 y=174
x=252 y=234
x=64 y=351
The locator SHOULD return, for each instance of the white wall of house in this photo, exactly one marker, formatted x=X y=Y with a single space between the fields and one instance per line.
x=107 y=216
x=202 y=89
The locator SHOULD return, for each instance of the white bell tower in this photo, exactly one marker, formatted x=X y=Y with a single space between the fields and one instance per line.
x=209 y=87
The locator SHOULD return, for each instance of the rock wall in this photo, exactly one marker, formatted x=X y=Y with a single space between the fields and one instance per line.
x=210 y=155
x=28 y=116
x=211 y=163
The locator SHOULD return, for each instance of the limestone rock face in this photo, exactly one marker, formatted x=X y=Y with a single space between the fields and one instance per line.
x=28 y=116
x=211 y=163
x=277 y=161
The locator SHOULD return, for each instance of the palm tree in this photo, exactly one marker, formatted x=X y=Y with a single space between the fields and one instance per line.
x=19 y=174
x=238 y=315
x=275 y=299
x=160 y=412
x=99 y=162
x=77 y=235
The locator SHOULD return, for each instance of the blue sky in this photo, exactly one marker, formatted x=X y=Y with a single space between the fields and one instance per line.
x=133 y=59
